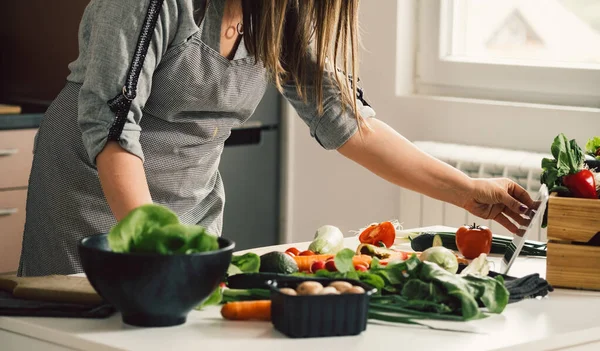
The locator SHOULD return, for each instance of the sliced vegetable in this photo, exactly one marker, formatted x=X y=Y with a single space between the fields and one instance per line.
x=442 y=257
x=473 y=240
x=247 y=310
x=479 y=266
x=380 y=252
x=292 y=251
x=328 y=240
x=384 y=232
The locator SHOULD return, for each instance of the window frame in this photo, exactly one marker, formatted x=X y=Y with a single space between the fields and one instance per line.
x=440 y=73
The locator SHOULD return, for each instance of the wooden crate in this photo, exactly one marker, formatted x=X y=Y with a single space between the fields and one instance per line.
x=570 y=263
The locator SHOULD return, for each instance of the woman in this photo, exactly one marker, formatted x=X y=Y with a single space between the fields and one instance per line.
x=207 y=67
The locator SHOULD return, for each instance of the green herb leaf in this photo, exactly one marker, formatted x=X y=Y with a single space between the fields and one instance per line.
x=592 y=147
x=343 y=261
x=247 y=263
x=491 y=292
x=550 y=173
x=454 y=286
x=214 y=299
x=233 y=270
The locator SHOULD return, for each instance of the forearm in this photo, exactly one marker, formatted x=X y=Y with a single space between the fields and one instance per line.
x=391 y=156
x=123 y=179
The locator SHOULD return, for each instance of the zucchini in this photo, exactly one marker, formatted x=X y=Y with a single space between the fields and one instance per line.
x=425 y=240
x=256 y=280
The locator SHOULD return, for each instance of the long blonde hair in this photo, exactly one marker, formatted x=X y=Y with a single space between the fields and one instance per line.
x=280 y=33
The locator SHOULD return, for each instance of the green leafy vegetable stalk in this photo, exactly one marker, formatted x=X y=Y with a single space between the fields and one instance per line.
x=568 y=159
x=246 y=263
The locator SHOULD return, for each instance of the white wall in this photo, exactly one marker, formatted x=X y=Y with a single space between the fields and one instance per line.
x=325 y=188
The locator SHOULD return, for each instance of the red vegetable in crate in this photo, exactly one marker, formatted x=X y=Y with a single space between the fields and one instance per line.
x=581 y=184
x=566 y=171
x=384 y=232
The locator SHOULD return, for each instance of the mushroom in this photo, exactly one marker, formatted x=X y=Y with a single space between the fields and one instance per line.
x=355 y=290
x=329 y=290
x=309 y=288
x=288 y=291
x=341 y=286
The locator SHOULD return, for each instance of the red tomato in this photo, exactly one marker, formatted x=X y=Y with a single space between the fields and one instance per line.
x=330 y=266
x=582 y=184
x=306 y=253
x=473 y=240
x=316 y=266
x=361 y=268
x=292 y=251
x=383 y=232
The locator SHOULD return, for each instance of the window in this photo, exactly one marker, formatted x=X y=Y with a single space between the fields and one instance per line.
x=538 y=51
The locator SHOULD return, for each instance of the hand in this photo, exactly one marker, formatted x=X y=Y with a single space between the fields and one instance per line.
x=499 y=199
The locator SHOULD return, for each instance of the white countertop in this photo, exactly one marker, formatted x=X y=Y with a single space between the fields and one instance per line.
x=566 y=318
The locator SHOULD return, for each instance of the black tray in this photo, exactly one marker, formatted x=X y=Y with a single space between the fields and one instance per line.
x=319 y=315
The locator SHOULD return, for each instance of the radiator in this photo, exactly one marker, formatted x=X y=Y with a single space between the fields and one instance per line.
x=417 y=210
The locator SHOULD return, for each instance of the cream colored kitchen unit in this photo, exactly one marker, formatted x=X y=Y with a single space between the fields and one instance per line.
x=16 y=154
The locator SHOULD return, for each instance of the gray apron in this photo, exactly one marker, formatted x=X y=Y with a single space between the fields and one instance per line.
x=197 y=97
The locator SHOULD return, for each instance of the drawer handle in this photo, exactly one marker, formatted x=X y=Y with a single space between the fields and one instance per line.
x=8 y=152
x=8 y=211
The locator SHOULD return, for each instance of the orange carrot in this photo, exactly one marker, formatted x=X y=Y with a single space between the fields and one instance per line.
x=362 y=259
x=305 y=262
x=247 y=310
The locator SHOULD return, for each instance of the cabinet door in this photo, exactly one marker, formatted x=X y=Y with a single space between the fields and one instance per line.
x=12 y=220
x=16 y=154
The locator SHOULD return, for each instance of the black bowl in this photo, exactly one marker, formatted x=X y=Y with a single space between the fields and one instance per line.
x=153 y=290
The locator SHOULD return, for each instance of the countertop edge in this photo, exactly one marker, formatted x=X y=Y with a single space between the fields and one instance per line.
x=20 y=121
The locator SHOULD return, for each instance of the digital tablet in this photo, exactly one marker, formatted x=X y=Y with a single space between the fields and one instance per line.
x=533 y=216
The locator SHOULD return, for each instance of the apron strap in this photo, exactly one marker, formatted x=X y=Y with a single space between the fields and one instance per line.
x=121 y=104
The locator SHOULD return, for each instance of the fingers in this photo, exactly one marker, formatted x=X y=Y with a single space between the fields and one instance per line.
x=516 y=217
x=519 y=193
x=506 y=223
x=511 y=203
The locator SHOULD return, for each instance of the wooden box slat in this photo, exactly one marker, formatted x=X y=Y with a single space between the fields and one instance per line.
x=571 y=265
x=571 y=219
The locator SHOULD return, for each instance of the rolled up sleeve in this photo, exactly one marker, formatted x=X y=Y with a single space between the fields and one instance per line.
x=336 y=125
x=108 y=37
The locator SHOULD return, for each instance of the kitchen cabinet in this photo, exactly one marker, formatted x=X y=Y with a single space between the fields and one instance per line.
x=16 y=155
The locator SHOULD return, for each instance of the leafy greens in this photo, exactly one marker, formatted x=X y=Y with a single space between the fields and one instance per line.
x=154 y=228
x=592 y=147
